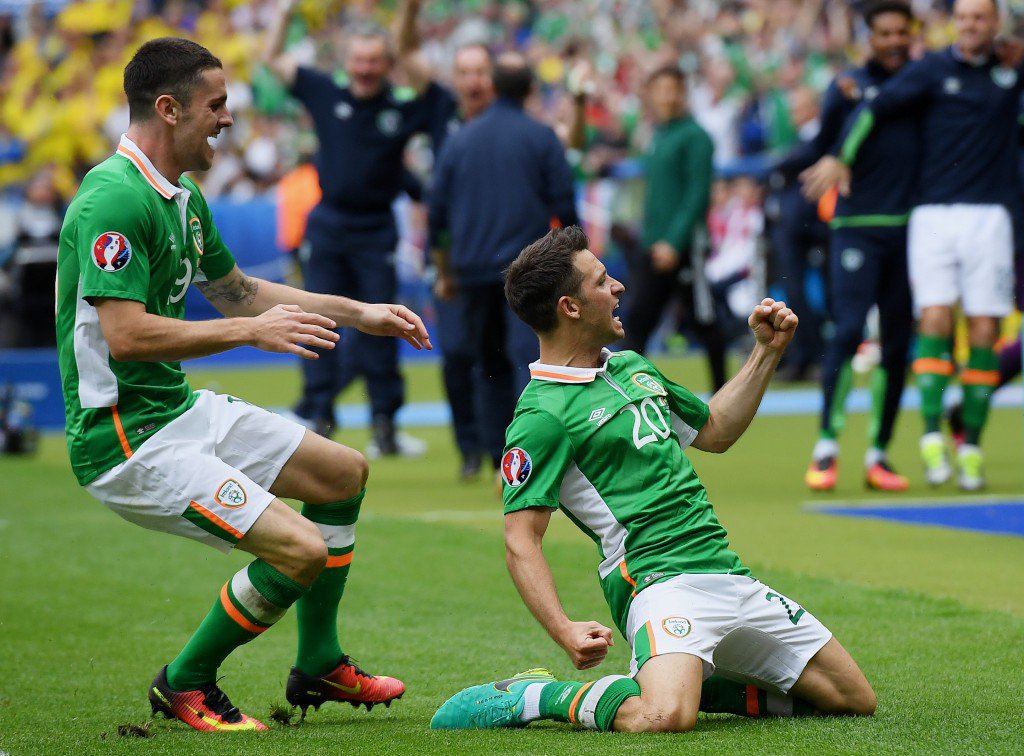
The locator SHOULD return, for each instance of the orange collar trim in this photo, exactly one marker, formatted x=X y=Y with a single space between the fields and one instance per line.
x=128 y=149
x=563 y=374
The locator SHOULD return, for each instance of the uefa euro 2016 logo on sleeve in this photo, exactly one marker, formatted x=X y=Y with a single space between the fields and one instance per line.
x=111 y=251
x=516 y=467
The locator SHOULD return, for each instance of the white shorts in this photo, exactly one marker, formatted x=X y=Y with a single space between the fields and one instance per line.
x=736 y=625
x=206 y=474
x=961 y=253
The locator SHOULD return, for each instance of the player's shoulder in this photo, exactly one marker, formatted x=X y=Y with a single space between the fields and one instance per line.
x=108 y=189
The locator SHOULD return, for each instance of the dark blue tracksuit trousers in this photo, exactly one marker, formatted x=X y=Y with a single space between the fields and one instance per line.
x=358 y=263
x=457 y=371
x=869 y=266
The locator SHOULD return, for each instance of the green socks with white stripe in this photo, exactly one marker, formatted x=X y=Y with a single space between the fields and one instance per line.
x=253 y=600
x=317 y=612
x=592 y=705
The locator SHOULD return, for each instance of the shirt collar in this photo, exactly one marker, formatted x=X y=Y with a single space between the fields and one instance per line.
x=564 y=374
x=976 y=62
x=128 y=149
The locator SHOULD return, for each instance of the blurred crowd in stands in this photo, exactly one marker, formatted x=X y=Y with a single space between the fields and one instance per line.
x=755 y=70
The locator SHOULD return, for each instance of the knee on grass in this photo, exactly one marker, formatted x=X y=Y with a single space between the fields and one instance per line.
x=859 y=702
x=644 y=716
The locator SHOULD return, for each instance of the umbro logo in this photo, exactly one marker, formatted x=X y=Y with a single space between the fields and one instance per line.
x=597 y=414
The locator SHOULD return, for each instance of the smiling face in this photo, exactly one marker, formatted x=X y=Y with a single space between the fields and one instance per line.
x=977 y=24
x=367 y=64
x=597 y=301
x=201 y=121
x=890 y=40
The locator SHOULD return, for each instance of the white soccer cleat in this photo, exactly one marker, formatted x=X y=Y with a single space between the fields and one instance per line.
x=936 y=461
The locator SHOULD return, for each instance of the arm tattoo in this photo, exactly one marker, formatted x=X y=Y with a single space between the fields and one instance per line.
x=232 y=289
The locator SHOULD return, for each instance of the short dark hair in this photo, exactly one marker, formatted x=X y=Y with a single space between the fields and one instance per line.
x=512 y=80
x=542 y=274
x=671 y=70
x=876 y=9
x=167 y=65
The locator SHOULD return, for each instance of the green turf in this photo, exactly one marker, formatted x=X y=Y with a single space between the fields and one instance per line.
x=92 y=606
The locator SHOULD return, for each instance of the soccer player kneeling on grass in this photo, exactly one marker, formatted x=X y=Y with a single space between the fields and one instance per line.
x=601 y=435
x=199 y=464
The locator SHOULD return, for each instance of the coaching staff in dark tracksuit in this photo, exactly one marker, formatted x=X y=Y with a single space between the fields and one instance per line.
x=363 y=129
x=959 y=236
x=474 y=92
x=868 y=249
x=499 y=184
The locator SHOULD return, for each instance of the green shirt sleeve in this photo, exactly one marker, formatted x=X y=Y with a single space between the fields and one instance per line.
x=215 y=259
x=537 y=454
x=696 y=165
x=689 y=412
x=112 y=241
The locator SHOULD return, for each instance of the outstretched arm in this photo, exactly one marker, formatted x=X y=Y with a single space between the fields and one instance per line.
x=410 y=59
x=736 y=403
x=134 y=335
x=238 y=295
x=274 y=57
x=586 y=643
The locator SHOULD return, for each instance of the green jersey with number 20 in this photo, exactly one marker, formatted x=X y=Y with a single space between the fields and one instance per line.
x=131 y=234
x=606 y=446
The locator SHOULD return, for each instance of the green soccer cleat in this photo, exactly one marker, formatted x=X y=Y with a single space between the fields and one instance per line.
x=496 y=704
x=936 y=462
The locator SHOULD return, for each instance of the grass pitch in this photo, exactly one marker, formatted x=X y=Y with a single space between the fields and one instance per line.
x=92 y=606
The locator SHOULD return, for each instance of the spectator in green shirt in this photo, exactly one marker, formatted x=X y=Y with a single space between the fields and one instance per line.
x=670 y=264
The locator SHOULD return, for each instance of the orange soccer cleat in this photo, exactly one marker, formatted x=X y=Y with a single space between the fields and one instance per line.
x=206 y=708
x=881 y=477
x=347 y=682
x=822 y=474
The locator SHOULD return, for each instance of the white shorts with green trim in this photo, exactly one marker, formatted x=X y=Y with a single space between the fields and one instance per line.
x=738 y=626
x=205 y=475
x=961 y=253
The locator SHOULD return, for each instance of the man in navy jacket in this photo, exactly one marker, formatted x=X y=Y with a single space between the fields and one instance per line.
x=501 y=182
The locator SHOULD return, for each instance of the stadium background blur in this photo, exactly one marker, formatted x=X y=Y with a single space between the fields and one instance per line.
x=753 y=65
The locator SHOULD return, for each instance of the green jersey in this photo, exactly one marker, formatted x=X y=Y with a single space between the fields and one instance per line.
x=606 y=446
x=129 y=233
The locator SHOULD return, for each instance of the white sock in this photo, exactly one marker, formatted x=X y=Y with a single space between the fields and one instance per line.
x=531 y=702
x=874 y=456
x=826 y=447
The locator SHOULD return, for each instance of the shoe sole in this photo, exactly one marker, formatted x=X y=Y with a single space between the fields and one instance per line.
x=305 y=705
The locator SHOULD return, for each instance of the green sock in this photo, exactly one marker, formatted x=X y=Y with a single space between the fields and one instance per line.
x=592 y=705
x=319 y=648
x=879 y=379
x=979 y=381
x=721 y=696
x=933 y=366
x=253 y=600
x=837 y=412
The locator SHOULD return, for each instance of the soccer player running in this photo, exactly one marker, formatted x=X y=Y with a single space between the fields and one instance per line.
x=197 y=464
x=869 y=258
x=960 y=237
x=601 y=435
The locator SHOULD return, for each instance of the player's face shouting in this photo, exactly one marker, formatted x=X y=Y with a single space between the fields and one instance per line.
x=890 y=40
x=204 y=118
x=599 y=295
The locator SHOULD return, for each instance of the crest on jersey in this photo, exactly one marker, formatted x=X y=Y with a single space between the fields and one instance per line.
x=111 y=251
x=951 y=85
x=196 y=229
x=852 y=259
x=231 y=494
x=680 y=627
x=644 y=381
x=1004 y=77
x=389 y=121
x=516 y=467
x=343 y=110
